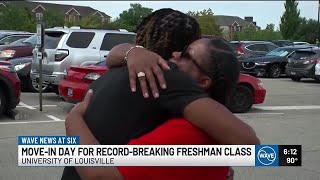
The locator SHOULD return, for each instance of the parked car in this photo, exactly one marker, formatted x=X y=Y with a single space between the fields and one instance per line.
x=302 y=64
x=78 y=79
x=282 y=43
x=7 y=37
x=272 y=64
x=22 y=66
x=317 y=70
x=250 y=49
x=68 y=46
x=16 y=49
x=300 y=43
x=9 y=87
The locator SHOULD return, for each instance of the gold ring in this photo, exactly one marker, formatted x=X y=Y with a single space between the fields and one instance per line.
x=141 y=74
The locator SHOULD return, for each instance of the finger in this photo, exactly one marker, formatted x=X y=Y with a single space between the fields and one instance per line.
x=132 y=79
x=152 y=83
x=144 y=87
x=163 y=63
x=88 y=96
x=158 y=73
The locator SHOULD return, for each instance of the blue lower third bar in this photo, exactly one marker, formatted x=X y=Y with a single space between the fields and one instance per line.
x=48 y=140
x=266 y=155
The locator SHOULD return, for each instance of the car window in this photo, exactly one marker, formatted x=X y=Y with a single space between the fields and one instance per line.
x=302 y=55
x=80 y=39
x=10 y=39
x=111 y=40
x=17 y=42
x=52 y=39
x=278 y=52
x=271 y=47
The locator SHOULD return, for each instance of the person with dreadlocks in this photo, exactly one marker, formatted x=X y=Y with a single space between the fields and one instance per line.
x=111 y=114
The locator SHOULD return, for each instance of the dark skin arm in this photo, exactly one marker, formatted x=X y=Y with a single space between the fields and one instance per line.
x=75 y=126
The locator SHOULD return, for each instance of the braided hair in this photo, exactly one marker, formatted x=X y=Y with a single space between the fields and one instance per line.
x=166 y=31
x=223 y=67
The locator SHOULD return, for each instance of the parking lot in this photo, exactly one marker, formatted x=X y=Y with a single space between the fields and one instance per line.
x=289 y=115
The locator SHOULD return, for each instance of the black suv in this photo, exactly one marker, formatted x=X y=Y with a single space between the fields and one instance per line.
x=302 y=64
x=272 y=65
x=250 y=49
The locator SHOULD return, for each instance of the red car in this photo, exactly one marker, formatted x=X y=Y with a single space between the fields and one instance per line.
x=78 y=79
x=9 y=87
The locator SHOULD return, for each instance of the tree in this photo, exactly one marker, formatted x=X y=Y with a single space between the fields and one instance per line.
x=270 y=27
x=91 y=22
x=129 y=19
x=207 y=22
x=290 y=19
x=16 y=18
x=53 y=19
x=307 y=31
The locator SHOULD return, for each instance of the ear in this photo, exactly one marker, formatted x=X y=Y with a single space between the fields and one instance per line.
x=176 y=55
x=205 y=82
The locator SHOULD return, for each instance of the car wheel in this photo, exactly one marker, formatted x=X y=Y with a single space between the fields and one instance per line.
x=242 y=100
x=274 y=71
x=3 y=102
x=34 y=87
x=295 y=78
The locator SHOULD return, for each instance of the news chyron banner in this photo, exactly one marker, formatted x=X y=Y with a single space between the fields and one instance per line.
x=67 y=151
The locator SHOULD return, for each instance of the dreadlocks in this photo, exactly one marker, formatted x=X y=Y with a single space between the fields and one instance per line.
x=167 y=30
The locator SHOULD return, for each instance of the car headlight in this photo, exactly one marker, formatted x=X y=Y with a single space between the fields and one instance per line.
x=261 y=63
x=7 y=53
x=21 y=66
x=92 y=76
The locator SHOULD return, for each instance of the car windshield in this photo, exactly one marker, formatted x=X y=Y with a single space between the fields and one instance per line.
x=278 y=52
x=31 y=40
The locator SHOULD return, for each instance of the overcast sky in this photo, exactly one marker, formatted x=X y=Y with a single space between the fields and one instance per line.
x=263 y=12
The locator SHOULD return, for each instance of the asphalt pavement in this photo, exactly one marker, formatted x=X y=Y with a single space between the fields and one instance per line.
x=289 y=115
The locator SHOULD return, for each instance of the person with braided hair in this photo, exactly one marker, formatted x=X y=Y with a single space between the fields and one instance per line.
x=112 y=114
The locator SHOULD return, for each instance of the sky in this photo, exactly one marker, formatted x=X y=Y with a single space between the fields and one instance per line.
x=263 y=12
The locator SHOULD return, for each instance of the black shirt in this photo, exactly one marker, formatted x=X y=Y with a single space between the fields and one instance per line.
x=115 y=115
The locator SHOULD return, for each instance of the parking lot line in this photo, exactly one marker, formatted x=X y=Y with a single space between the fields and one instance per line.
x=49 y=105
x=54 y=118
x=27 y=122
x=275 y=108
x=26 y=106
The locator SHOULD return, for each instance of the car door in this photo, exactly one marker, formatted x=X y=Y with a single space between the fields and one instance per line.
x=113 y=39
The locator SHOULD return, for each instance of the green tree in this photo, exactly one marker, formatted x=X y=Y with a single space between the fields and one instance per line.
x=207 y=22
x=16 y=18
x=290 y=19
x=91 y=22
x=129 y=19
x=53 y=19
x=270 y=27
x=307 y=31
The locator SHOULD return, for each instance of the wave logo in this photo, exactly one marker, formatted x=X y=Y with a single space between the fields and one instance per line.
x=267 y=155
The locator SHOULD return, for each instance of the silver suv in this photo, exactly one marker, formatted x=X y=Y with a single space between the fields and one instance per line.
x=70 y=46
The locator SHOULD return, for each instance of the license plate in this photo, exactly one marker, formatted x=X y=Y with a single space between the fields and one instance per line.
x=293 y=73
x=70 y=91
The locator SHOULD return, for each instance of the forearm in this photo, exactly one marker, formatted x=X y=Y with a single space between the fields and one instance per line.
x=219 y=123
x=77 y=127
x=117 y=54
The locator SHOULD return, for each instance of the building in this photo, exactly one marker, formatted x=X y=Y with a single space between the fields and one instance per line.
x=71 y=13
x=233 y=24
